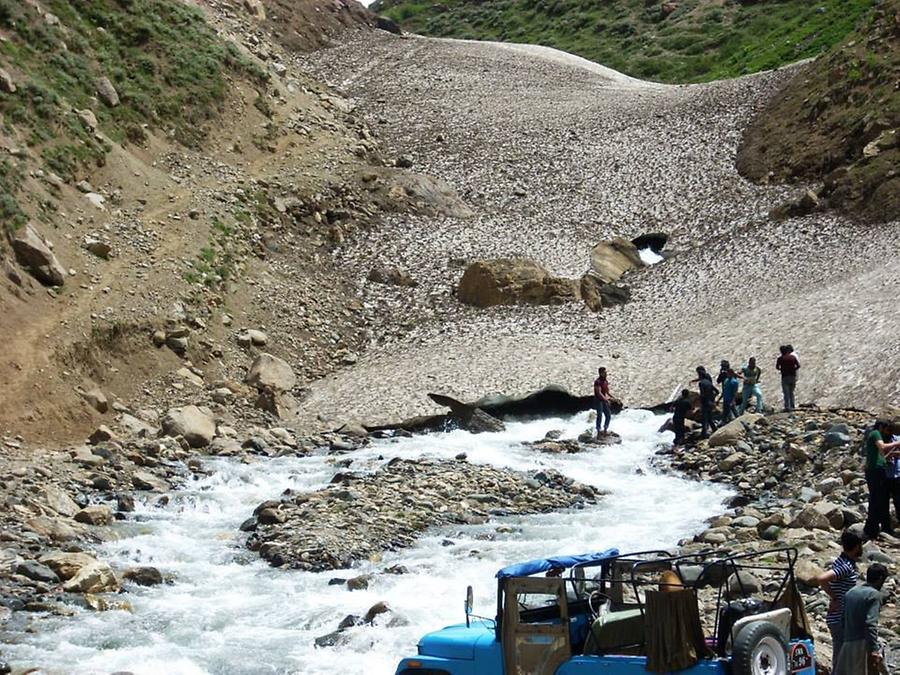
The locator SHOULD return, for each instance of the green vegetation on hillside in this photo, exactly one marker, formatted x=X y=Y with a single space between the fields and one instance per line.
x=839 y=121
x=669 y=41
x=166 y=63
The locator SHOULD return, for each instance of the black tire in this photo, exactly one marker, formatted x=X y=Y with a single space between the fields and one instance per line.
x=759 y=649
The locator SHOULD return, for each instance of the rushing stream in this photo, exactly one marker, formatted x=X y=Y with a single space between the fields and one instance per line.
x=228 y=612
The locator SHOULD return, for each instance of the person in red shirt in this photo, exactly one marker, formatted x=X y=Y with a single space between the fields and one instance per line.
x=603 y=401
x=788 y=364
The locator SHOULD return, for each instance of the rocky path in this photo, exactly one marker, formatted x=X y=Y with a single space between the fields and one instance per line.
x=554 y=154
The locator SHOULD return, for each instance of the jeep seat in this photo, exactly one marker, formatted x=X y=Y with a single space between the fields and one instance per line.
x=612 y=631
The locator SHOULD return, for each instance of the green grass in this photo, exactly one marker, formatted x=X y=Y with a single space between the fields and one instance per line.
x=168 y=65
x=700 y=41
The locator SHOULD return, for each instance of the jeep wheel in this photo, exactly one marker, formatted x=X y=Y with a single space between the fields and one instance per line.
x=759 y=650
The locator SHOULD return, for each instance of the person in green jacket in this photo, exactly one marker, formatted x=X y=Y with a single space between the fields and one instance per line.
x=877 y=454
x=861 y=651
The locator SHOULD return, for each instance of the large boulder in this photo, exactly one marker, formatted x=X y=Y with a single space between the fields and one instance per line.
x=60 y=501
x=96 y=577
x=270 y=372
x=66 y=565
x=597 y=294
x=611 y=259
x=34 y=254
x=732 y=432
x=513 y=281
x=196 y=426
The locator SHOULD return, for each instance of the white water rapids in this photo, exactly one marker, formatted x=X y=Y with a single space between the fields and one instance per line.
x=229 y=612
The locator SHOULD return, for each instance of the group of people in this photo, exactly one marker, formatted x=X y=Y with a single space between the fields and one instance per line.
x=853 y=612
x=730 y=381
x=854 y=609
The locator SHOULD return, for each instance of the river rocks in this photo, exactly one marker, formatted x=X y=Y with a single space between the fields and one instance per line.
x=513 y=281
x=34 y=254
x=835 y=439
x=811 y=518
x=802 y=494
x=67 y=565
x=612 y=259
x=361 y=516
x=96 y=577
x=37 y=572
x=359 y=583
x=144 y=480
x=143 y=576
x=270 y=372
x=94 y=515
x=196 y=426
x=59 y=501
x=732 y=432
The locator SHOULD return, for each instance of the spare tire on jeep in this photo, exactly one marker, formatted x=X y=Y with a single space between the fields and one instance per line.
x=759 y=649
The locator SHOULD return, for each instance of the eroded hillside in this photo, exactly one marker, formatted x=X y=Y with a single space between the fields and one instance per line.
x=837 y=122
x=171 y=181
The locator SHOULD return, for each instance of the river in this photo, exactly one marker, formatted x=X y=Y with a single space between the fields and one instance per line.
x=228 y=612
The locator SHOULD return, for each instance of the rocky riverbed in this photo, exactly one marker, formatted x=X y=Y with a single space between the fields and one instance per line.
x=800 y=482
x=363 y=515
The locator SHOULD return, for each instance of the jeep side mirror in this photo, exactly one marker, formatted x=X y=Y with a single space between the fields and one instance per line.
x=470 y=601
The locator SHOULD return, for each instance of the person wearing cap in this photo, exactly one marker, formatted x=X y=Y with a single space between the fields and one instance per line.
x=877 y=454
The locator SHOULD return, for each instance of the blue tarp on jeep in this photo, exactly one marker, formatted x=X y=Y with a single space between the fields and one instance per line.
x=526 y=569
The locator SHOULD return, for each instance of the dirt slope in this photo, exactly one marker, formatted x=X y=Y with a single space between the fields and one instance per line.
x=210 y=232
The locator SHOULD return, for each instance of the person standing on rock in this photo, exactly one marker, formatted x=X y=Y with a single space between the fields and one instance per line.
x=751 y=375
x=788 y=364
x=877 y=455
x=681 y=409
x=729 y=396
x=603 y=401
x=861 y=651
x=708 y=396
x=842 y=576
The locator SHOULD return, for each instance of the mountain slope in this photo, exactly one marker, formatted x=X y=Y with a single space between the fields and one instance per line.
x=838 y=121
x=670 y=41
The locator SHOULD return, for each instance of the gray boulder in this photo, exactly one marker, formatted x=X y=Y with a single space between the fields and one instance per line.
x=107 y=92
x=196 y=426
x=270 y=372
x=35 y=255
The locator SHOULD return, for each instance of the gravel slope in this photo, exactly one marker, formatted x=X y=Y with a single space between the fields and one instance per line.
x=554 y=154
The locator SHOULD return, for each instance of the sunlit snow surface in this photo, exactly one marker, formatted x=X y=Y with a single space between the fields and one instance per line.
x=228 y=612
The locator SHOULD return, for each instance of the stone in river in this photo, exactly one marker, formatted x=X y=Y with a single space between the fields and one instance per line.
x=37 y=572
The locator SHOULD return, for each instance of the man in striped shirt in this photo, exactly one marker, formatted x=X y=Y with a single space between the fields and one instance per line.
x=842 y=576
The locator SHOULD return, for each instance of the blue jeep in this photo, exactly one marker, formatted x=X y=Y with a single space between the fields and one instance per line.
x=609 y=614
